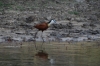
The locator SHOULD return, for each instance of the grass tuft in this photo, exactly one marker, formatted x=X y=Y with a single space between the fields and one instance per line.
x=73 y=12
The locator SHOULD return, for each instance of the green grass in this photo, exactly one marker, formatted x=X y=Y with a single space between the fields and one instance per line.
x=1 y=4
x=73 y=12
x=4 y=4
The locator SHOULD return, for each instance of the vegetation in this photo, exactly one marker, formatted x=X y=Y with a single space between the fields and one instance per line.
x=73 y=12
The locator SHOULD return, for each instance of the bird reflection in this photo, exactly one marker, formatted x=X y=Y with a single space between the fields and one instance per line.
x=42 y=54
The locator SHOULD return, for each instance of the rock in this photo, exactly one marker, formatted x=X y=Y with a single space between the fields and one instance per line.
x=30 y=19
x=93 y=32
x=70 y=25
x=93 y=18
x=79 y=19
x=85 y=25
x=17 y=39
x=23 y=25
x=92 y=25
x=69 y=18
x=77 y=31
x=80 y=1
x=7 y=38
x=80 y=39
x=66 y=39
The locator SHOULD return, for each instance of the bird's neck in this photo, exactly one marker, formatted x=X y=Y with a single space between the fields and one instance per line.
x=49 y=24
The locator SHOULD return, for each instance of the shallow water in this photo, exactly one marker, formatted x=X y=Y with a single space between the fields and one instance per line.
x=59 y=54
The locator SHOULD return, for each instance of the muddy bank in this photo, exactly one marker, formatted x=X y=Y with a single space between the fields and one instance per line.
x=76 y=20
x=62 y=31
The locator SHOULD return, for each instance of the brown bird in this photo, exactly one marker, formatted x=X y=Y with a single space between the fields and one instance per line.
x=43 y=26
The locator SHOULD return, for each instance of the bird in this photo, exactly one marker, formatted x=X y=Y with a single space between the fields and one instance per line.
x=43 y=26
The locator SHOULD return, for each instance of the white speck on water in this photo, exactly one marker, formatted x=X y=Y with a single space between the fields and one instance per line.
x=52 y=61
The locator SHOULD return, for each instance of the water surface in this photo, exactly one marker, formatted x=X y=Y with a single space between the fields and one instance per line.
x=59 y=54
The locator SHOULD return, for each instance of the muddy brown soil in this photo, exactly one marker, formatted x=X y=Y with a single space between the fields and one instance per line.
x=75 y=18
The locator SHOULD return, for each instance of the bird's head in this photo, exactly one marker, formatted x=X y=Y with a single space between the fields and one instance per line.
x=51 y=22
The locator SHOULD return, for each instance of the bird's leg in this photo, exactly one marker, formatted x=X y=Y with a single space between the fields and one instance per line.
x=35 y=35
x=35 y=40
x=42 y=36
x=42 y=39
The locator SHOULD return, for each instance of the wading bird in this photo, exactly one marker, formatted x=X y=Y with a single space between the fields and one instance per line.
x=43 y=26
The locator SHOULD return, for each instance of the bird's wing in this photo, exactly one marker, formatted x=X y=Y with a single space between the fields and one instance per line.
x=39 y=25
